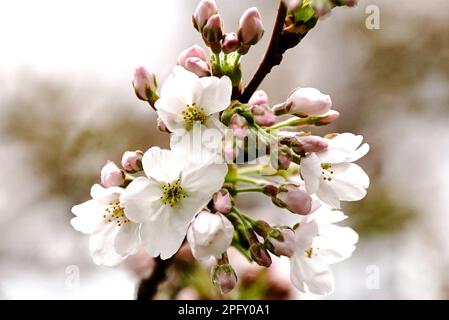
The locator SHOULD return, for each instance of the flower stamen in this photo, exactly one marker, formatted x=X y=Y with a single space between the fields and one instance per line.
x=172 y=193
x=115 y=213
x=192 y=114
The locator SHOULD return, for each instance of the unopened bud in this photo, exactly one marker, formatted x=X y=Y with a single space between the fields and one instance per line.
x=282 y=242
x=259 y=98
x=308 y=102
x=250 y=27
x=270 y=190
x=294 y=198
x=132 y=161
x=213 y=32
x=224 y=277
x=302 y=144
x=112 y=175
x=239 y=126
x=281 y=160
x=322 y=7
x=260 y=255
x=194 y=51
x=197 y=66
x=204 y=10
x=328 y=118
x=349 y=3
x=145 y=85
x=230 y=42
x=222 y=201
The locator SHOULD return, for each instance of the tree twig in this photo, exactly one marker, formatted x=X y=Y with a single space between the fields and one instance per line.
x=148 y=287
x=273 y=55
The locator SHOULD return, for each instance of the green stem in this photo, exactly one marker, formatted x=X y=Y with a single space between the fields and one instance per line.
x=251 y=189
x=290 y=123
x=248 y=180
x=242 y=250
x=249 y=170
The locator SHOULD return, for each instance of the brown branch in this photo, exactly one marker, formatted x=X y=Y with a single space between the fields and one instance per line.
x=272 y=57
x=148 y=287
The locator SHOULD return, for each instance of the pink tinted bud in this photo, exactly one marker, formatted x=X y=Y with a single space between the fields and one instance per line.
x=328 y=118
x=224 y=277
x=194 y=51
x=239 y=126
x=144 y=83
x=282 y=161
x=204 y=10
x=213 y=30
x=197 y=66
x=284 y=243
x=222 y=201
x=292 y=4
x=112 y=175
x=295 y=199
x=308 y=102
x=230 y=42
x=309 y=144
x=322 y=7
x=349 y=3
x=132 y=161
x=161 y=126
x=250 y=27
x=263 y=115
x=260 y=255
x=259 y=98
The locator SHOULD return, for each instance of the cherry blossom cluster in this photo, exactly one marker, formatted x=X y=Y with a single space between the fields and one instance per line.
x=223 y=147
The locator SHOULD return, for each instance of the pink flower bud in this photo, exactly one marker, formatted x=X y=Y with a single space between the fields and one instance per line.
x=322 y=7
x=224 y=277
x=222 y=201
x=292 y=4
x=145 y=84
x=213 y=30
x=282 y=161
x=112 y=175
x=349 y=3
x=259 y=98
x=308 y=102
x=263 y=115
x=194 y=51
x=260 y=255
x=250 y=27
x=230 y=42
x=294 y=198
x=161 y=125
x=132 y=161
x=283 y=243
x=204 y=10
x=328 y=118
x=239 y=126
x=197 y=66
x=302 y=144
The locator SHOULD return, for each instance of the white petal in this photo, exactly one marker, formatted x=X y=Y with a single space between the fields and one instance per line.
x=183 y=86
x=304 y=235
x=173 y=120
x=201 y=181
x=162 y=165
x=164 y=236
x=142 y=199
x=327 y=193
x=335 y=243
x=105 y=195
x=325 y=216
x=311 y=172
x=360 y=152
x=309 y=275
x=127 y=240
x=89 y=216
x=216 y=94
x=101 y=246
x=349 y=181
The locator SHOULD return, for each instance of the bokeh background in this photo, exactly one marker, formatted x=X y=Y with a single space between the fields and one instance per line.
x=67 y=106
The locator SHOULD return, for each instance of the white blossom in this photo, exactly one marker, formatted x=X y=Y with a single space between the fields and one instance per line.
x=168 y=197
x=114 y=236
x=331 y=175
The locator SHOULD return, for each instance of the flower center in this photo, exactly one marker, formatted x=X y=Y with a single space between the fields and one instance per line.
x=192 y=114
x=327 y=172
x=309 y=253
x=115 y=214
x=172 y=193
